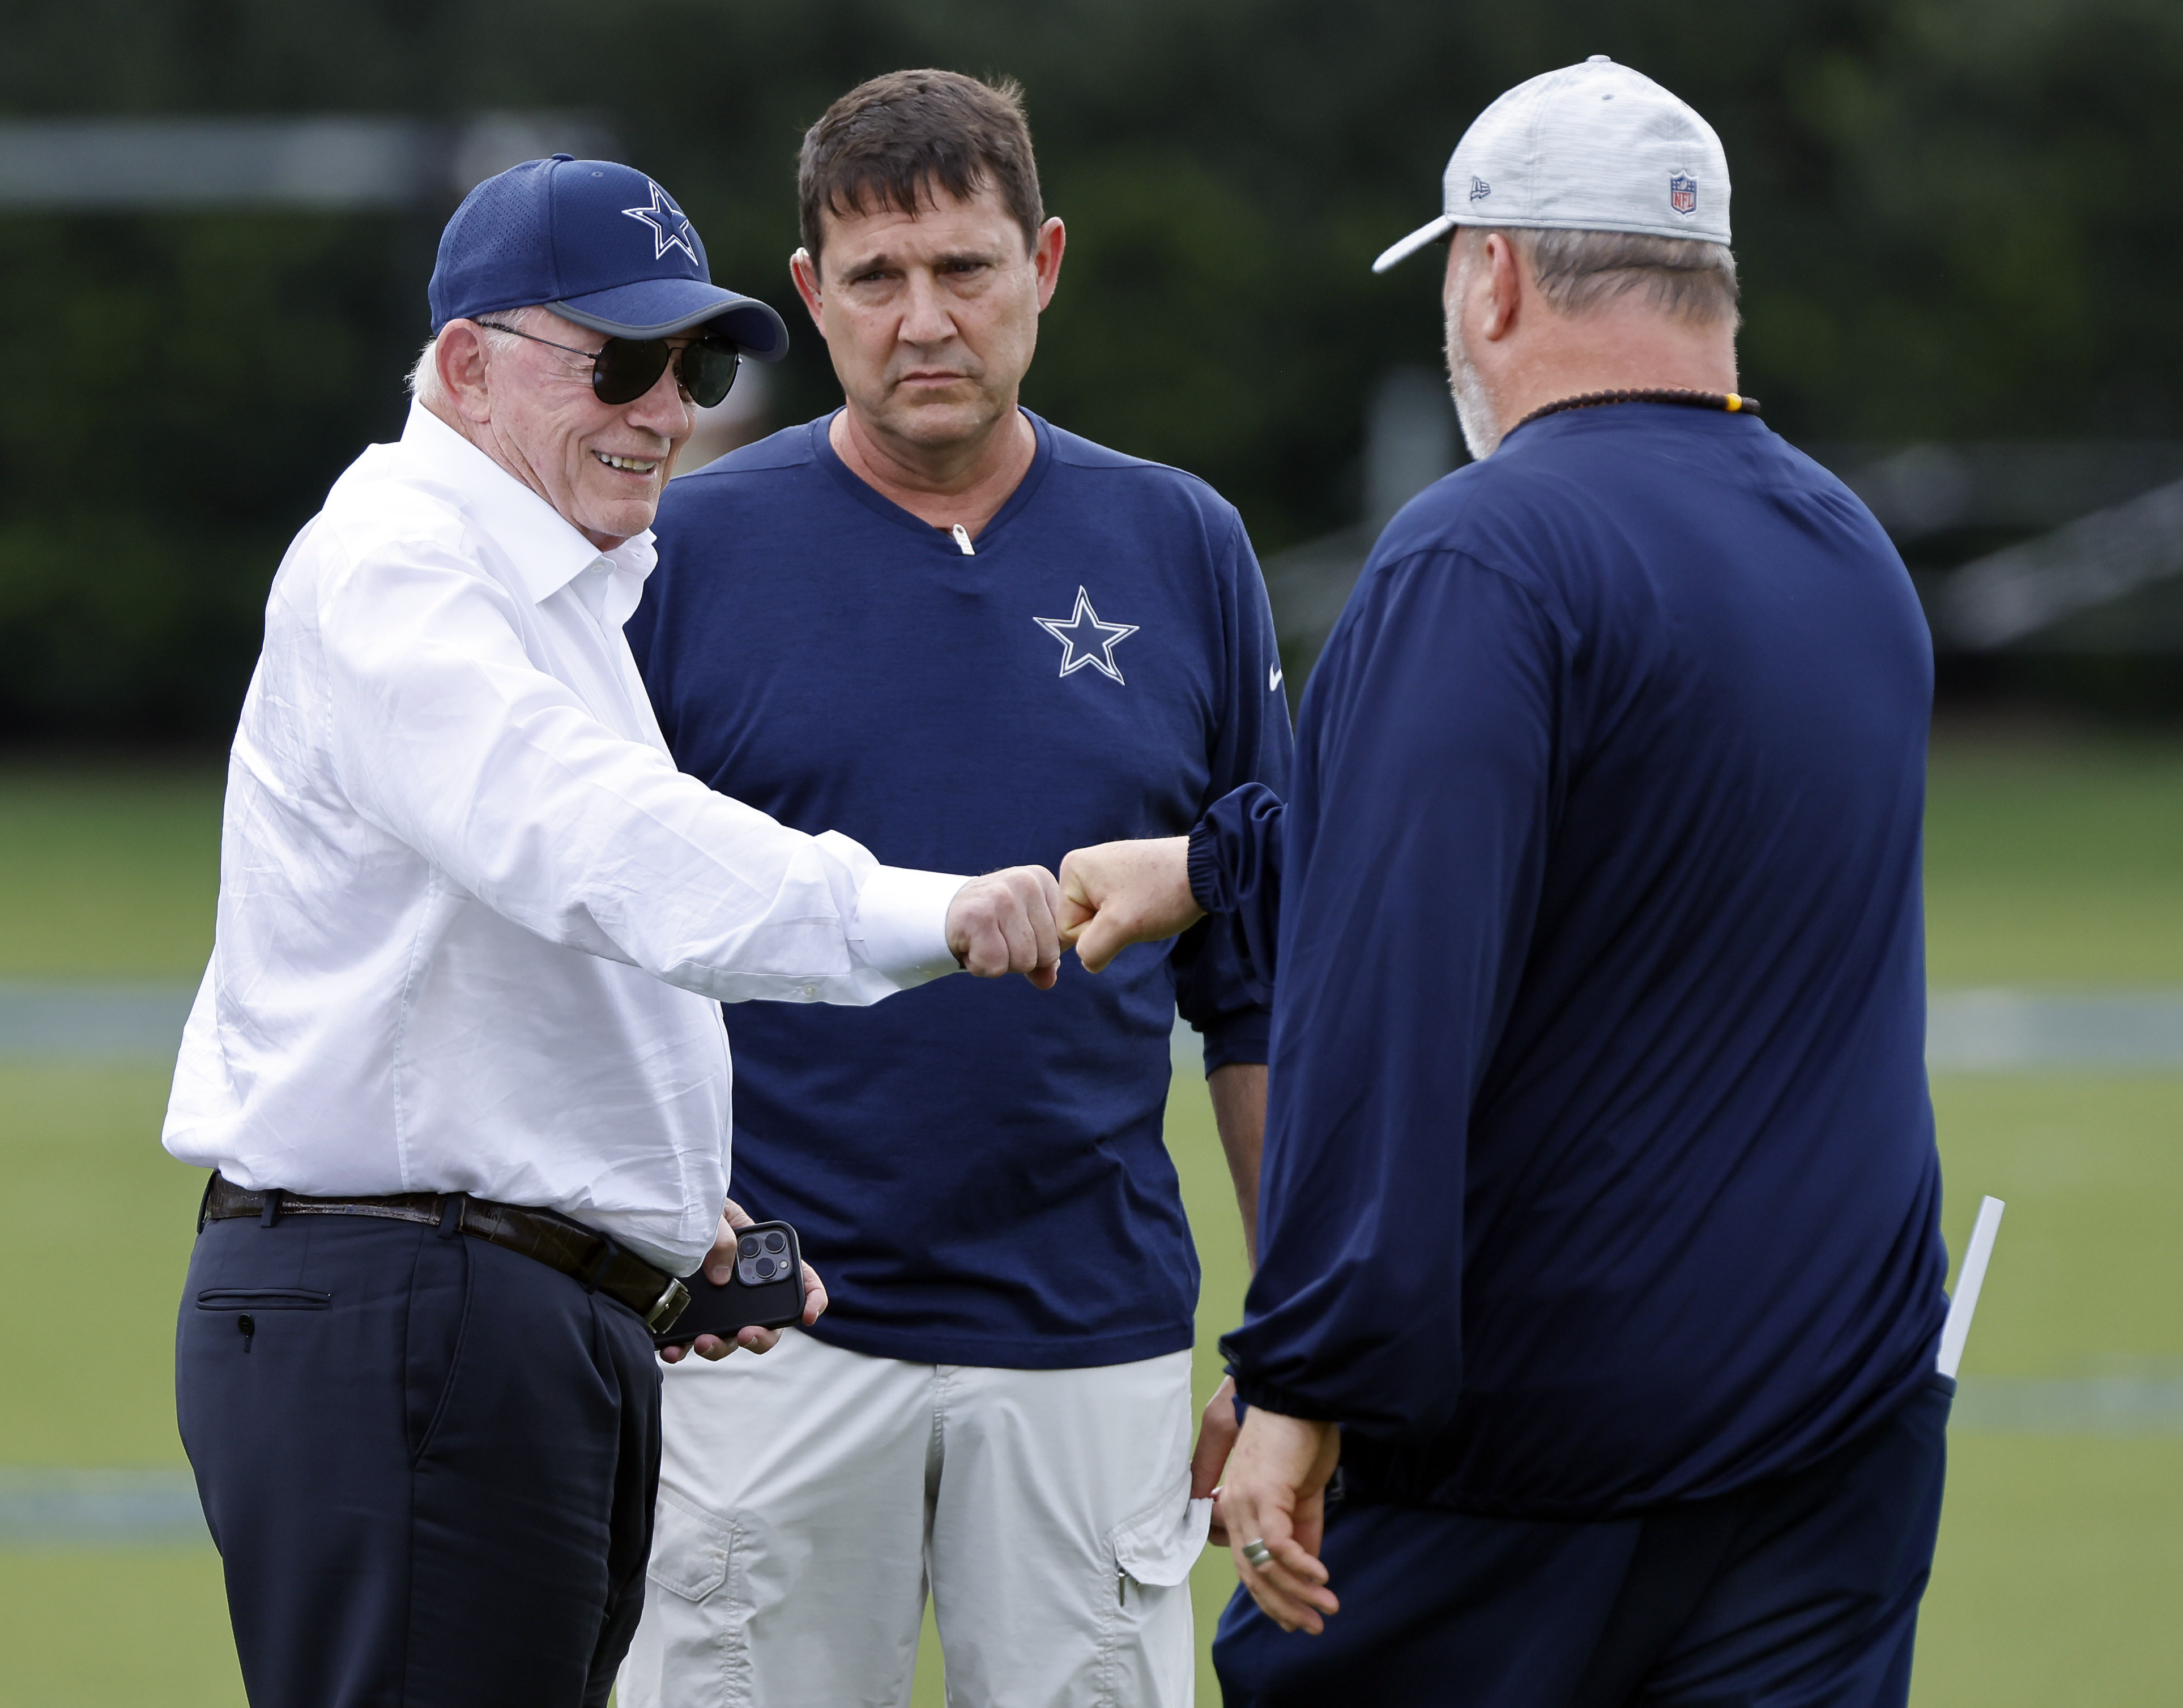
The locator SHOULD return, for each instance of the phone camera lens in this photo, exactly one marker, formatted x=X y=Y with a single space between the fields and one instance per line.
x=766 y=1266
x=748 y=1246
x=776 y=1242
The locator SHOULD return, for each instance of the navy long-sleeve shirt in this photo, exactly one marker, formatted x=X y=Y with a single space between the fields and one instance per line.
x=1600 y=1169
x=976 y=1168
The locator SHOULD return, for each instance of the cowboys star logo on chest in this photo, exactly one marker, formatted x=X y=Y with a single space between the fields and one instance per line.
x=1085 y=639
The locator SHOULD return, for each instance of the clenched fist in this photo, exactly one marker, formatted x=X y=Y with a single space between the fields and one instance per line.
x=1115 y=894
x=1008 y=921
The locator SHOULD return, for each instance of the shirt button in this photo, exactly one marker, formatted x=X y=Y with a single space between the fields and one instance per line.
x=810 y=989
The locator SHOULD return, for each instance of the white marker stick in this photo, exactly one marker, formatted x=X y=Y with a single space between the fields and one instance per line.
x=1957 y=1329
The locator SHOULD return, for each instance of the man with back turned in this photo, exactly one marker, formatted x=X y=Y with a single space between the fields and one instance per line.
x=1598 y=1228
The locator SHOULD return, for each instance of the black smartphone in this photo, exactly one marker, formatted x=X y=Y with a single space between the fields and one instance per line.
x=767 y=1291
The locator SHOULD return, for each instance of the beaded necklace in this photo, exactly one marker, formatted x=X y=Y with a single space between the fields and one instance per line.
x=1734 y=403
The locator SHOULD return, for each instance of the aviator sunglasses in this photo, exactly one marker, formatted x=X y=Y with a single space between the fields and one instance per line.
x=624 y=369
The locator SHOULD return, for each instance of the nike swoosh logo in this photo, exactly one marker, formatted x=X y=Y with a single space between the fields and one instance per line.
x=1272 y=677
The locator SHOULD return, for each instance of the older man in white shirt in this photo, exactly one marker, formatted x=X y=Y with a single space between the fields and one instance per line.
x=473 y=927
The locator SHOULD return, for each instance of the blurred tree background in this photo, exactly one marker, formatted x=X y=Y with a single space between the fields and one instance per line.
x=1956 y=219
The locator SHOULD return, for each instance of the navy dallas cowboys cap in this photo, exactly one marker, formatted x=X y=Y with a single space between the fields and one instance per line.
x=598 y=244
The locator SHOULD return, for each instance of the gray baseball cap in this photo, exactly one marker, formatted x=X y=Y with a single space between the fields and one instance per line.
x=1590 y=147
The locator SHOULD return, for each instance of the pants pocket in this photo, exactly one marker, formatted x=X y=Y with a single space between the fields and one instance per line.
x=245 y=1307
x=1156 y=1548
x=691 y=1647
x=690 y=1549
x=263 y=1299
x=1148 y=1660
x=438 y=1323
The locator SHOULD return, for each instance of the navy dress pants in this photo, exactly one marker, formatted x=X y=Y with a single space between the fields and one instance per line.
x=1800 y=1592
x=428 y=1462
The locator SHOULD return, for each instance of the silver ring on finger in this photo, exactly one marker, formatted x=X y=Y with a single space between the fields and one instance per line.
x=1258 y=1553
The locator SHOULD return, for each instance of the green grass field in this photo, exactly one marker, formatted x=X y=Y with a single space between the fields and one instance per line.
x=2056 y=861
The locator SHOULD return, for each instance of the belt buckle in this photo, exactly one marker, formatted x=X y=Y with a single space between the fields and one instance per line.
x=669 y=1305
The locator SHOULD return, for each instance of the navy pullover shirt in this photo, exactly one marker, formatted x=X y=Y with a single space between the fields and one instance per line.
x=976 y=1167
x=1600 y=1170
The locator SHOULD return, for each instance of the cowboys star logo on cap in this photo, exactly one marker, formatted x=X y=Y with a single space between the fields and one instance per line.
x=1683 y=193
x=556 y=231
x=670 y=226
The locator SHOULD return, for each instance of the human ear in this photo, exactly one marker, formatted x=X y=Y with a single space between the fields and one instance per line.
x=1046 y=259
x=805 y=272
x=458 y=356
x=1503 y=286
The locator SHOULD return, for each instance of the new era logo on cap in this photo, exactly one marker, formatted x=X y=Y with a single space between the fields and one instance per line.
x=1585 y=148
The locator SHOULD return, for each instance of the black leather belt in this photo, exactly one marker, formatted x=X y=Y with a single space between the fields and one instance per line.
x=553 y=1240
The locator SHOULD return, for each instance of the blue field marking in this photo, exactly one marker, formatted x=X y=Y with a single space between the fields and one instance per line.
x=2105 y=1406
x=2015 y=1030
x=138 y=1022
x=2009 y=1031
x=1967 y=1031
x=60 y=1508
x=44 y=1508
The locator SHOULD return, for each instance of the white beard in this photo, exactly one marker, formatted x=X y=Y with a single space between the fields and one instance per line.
x=1474 y=410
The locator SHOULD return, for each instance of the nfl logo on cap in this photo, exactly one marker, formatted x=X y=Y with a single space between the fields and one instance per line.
x=1585 y=148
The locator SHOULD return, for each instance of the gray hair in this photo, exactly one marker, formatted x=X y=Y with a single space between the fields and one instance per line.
x=423 y=382
x=1579 y=272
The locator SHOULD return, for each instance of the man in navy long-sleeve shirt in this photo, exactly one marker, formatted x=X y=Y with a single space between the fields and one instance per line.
x=1599 y=1216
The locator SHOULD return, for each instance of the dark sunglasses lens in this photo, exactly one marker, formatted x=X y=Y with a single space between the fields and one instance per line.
x=626 y=368
x=709 y=369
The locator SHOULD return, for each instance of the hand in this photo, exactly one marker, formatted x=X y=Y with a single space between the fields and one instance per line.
x=719 y=1270
x=1119 y=893
x=1216 y=1438
x=1005 y=922
x=1275 y=1492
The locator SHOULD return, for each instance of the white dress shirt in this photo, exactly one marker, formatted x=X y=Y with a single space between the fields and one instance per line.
x=473 y=923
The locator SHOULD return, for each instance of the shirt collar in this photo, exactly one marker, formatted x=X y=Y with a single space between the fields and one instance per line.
x=545 y=553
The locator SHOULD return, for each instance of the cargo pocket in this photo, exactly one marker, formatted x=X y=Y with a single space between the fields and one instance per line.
x=1157 y=1547
x=692 y=1647
x=690 y=1549
x=1147 y=1659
